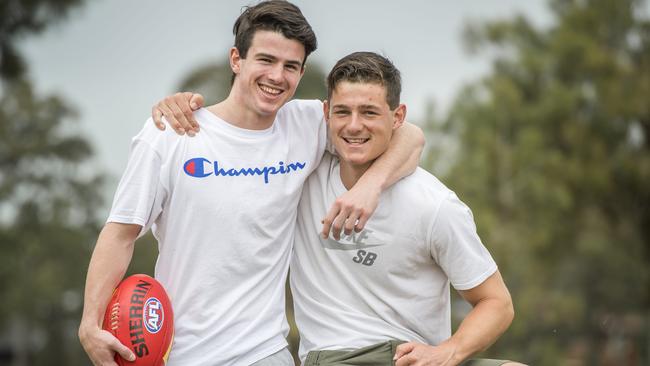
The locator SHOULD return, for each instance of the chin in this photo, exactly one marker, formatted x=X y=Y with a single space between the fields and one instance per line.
x=266 y=109
x=264 y=106
x=357 y=160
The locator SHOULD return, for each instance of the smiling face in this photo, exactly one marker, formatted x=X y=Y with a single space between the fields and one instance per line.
x=361 y=122
x=268 y=77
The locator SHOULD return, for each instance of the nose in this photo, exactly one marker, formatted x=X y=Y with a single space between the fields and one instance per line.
x=356 y=123
x=275 y=73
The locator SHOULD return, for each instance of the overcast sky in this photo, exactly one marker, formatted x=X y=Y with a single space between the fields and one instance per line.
x=112 y=60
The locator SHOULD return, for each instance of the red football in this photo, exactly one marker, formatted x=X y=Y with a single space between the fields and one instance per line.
x=140 y=316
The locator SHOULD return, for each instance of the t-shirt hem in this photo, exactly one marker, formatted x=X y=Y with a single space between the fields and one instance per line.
x=263 y=354
x=477 y=280
x=128 y=220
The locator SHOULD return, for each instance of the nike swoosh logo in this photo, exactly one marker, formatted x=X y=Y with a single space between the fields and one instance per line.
x=331 y=244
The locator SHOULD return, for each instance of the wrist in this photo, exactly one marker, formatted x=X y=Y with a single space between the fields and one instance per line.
x=457 y=355
x=87 y=327
x=371 y=184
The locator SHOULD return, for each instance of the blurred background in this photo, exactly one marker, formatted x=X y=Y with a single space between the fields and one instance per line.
x=537 y=114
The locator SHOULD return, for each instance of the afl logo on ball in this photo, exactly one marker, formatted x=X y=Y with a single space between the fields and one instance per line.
x=153 y=315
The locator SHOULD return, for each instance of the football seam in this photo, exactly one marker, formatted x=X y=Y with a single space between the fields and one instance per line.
x=115 y=316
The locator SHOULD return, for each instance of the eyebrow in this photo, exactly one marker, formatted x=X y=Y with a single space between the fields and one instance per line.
x=363 y=106
x=290 y=62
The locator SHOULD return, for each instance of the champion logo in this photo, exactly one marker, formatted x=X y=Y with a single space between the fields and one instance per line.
x=153 y=315
x=194 y=167
x=202 y=167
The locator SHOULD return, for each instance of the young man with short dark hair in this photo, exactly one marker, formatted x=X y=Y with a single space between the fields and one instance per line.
x=382 y=295
x=223 y=204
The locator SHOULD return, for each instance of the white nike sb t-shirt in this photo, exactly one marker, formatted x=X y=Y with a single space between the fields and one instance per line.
x=390 y=281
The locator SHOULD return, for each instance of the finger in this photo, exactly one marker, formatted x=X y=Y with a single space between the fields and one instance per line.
x=171 y=120
x=196 y=101
x=325 y=231
x=403 y=349
x=122 y=350
x=180 y=116
x=156 y=114
x=406 y=360
x=339 y=221
x=350 y=222
x=329 y=219
x=361 y=223
x=184 y=105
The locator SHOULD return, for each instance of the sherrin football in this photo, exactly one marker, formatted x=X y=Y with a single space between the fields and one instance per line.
x=140 y=315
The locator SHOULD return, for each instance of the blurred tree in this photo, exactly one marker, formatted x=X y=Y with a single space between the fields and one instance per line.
x=213 y=82
x=47 y=226
x=554 y=159
x=49 y=199
x=49 y=205
x=19 y=18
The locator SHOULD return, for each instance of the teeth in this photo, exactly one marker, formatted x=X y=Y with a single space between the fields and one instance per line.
x=355 y=140
x=268 y=89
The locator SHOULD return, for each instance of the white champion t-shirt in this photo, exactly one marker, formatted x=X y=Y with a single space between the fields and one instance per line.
x=391 y=281
x=222 y=206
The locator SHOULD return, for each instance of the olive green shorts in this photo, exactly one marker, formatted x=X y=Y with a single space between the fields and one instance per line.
x=380 y=354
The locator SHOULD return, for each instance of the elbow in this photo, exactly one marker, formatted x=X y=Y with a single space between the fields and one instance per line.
x=509 y=312
x=418 y=138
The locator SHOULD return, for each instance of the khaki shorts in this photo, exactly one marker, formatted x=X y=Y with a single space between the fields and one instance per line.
x=380 y=354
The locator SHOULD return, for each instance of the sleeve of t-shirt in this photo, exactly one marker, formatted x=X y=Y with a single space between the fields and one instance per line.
x=329 y=146
x=140 y=195
x=456 y=246
x=311 y=128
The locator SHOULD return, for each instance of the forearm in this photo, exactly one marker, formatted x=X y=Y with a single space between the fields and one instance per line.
x=400 y=159
x=482 y=327
x=108 y=265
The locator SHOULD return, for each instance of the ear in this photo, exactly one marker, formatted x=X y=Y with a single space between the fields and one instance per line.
x=399 y=115
x=326 y=110
x=235 y=60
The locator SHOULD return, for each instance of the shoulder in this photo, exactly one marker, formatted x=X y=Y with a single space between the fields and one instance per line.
x=157 y=140
x=420 y=189
x=323 y=171
x=301 y=110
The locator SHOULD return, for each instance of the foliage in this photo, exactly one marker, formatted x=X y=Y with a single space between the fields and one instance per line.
x=49 y=201
x=47 y=227
x=21 y=17
x=554 y=159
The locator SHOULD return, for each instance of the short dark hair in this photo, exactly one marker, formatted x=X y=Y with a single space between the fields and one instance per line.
x=367 y=67
x=277 y=16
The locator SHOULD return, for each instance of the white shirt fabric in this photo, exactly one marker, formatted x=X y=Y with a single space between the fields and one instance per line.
x=222 y=206
x=391 y=281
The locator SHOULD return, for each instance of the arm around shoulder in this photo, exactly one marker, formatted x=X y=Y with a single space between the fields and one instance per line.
x=352 y=210
x=401 y=158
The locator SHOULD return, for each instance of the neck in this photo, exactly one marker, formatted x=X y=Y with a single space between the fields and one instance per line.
x=350 y=173
x=236 y=111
